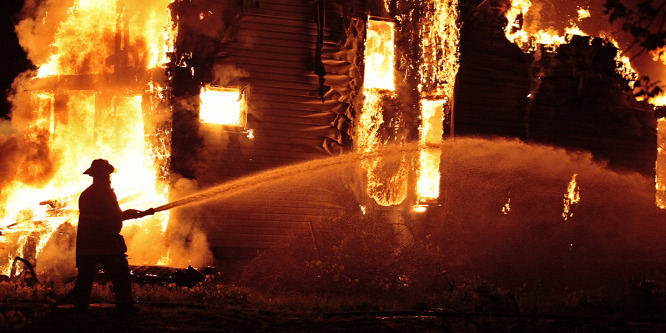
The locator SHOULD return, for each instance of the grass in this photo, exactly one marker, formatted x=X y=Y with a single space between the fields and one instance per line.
x=484 y=305
x=359 y=276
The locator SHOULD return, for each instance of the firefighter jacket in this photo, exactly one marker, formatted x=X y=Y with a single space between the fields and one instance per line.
x=100 y=221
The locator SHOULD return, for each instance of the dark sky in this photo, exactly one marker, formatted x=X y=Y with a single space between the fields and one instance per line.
x=12 y=56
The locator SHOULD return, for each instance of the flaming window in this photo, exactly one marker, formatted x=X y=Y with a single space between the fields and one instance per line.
x=661 y=163
x=224 y=106
x=431 y=134
x=379 y=55
x=386 y=180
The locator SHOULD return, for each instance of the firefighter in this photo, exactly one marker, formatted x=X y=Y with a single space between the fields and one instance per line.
x=98 y=239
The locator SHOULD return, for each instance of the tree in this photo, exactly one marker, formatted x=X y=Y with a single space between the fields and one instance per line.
x=646 y=22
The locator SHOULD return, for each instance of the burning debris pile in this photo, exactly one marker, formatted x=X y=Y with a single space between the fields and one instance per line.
x=99 y=90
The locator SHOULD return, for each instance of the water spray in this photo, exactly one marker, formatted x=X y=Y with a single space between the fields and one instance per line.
x=250 y=182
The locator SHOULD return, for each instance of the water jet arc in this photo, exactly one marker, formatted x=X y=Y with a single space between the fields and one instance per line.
x=256 y=180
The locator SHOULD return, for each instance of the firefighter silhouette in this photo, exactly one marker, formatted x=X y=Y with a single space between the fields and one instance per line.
x=98 y=240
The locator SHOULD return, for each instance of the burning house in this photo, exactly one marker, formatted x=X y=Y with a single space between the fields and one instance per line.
x=185 y=95
x=311 y=80
x=181 y=96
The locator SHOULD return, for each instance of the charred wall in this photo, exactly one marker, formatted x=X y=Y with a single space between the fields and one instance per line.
x=201 y=25
x=493 y=80
x=581 y=102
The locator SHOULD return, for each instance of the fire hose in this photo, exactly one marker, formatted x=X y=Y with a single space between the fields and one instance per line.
x=27 y=264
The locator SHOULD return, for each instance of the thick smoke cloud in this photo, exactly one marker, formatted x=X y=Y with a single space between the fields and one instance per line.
x=38 y=26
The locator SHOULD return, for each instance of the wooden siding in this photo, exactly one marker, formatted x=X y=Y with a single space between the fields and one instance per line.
x=275 y=45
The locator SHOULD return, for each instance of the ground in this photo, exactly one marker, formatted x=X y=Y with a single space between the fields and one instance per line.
x=165 y=317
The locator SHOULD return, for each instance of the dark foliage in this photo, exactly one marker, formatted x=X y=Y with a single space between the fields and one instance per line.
x=646 y=22
x=356 y=257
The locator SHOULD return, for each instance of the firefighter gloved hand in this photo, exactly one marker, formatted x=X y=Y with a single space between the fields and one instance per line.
x=132 y=214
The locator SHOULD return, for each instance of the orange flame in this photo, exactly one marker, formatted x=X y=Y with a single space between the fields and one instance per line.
x=571 y=198
x=528 y=41
x=386 y=188
x=439 y=41
x=379 y=55
x=106 y=117
x=660 y=169
x=224 y=106
x=427 y=187
x=506 y=209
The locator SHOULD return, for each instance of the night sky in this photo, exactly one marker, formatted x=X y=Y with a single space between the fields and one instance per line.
x=13 y=58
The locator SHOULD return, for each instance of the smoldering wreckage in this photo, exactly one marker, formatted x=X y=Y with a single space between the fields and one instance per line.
x=185 y=95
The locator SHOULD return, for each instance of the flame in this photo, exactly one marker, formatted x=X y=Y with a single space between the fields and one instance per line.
x=659 y=100
x=386 y=185
x=439 y=54
x=574 y=30
x=514 y=29
x=386 y=182
x=583 y=13
x=528 y=41
x=166 y=260
x=427 y=187
x=571 y=198
x=222 y=106
x=660 y=169
x=506 y=208
x=379 y=55
x=659 y=55
x=83 y=43
x=440 y=38
x=114 y=45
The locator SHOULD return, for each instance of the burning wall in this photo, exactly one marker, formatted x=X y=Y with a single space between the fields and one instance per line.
x=301 y=77
x=568 y=94
x=98 y=92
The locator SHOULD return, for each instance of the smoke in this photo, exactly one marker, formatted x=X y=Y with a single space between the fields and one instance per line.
x=224 y=75
x=24 y=144
x=38 y=26
x=182 y=244
x=26 y=159
x=8 y=164
x=187 y=242
x=57 y=259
